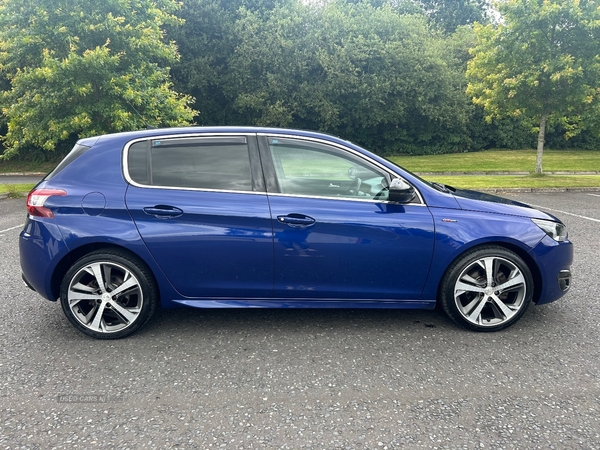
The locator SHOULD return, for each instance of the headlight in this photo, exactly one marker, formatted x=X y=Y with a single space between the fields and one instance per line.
x=555 y=230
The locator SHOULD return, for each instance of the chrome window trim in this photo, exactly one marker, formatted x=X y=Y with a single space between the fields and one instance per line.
x=346 y=149
x=130 y=181
x=357 y=154
x=175 y=188
x=350 y=199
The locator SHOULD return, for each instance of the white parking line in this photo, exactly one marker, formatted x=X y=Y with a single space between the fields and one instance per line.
x=564 y=212
x=12 y=228
x=594 y=195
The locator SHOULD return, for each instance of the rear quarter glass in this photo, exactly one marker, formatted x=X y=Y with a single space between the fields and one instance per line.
x=75 y=153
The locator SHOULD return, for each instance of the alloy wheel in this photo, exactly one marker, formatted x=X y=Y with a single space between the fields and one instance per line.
x=490 y=291
x=105 y=297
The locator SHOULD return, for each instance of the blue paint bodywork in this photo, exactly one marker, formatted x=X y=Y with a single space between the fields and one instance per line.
x=228 y=249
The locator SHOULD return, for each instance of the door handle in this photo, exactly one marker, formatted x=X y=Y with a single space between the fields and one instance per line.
x=163 y=211
x=296 y=220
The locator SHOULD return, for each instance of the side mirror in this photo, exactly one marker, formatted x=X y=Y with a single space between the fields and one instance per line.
x=400 y=191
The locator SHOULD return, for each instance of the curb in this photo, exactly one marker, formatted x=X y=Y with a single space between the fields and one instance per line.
x=22 y=174
x=516 y=174
x=538 y=190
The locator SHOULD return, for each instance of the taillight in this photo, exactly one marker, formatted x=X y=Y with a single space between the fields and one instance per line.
x=37 y=198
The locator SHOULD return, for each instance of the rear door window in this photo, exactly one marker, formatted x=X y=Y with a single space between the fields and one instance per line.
x=214 y=163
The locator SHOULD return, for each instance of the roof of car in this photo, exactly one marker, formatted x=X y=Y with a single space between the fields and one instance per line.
x=128 y=135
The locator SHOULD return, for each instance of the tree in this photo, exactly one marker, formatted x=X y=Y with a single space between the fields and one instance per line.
x=383 y=79
x=541 y=64
x=81 y=67
x=449 y=15
x=207 y=41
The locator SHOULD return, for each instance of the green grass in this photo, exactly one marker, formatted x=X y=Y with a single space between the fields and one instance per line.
x=15 y=166
x=510 y=181
x=485 y=161
x=503 y=161
x=15 y=190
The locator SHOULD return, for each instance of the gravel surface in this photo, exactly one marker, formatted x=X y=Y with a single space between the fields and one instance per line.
x=331 y=379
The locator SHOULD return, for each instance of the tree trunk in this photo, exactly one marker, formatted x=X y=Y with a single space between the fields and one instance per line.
x=540 y=146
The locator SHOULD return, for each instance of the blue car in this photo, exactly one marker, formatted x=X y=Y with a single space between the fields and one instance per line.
x=231 y=217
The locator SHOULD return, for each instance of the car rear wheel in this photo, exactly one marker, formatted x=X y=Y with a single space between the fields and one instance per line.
x=108 y=294
x=487 y=289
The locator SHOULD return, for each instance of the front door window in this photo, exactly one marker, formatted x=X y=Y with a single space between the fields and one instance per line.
x=312 y=169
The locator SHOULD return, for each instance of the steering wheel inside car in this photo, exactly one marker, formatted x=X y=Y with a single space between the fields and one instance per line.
x=354 y=187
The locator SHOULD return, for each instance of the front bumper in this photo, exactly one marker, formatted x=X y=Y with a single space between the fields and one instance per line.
x=564 y=280
x=554 y=261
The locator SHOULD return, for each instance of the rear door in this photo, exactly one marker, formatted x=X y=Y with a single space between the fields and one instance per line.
x=200 y=205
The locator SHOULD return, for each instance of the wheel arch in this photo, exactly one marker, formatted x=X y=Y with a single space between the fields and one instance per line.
x=523 y=254
x=67 y=261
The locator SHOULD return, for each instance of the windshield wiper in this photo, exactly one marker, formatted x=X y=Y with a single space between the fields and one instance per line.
x=443 y=187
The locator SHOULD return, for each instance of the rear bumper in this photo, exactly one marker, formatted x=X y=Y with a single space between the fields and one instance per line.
x=27 y=283
x=40 y=248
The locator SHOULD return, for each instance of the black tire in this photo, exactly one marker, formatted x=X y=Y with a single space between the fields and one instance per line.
x=87 y=299
x=468 y=300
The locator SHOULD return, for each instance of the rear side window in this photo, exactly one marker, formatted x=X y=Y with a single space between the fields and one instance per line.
x=216 y=163
x=75 y=153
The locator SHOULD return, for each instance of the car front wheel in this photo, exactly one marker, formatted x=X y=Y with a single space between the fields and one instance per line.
x=487 y=289
x=108 y=294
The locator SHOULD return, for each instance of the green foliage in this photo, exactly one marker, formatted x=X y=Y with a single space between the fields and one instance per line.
x=449 y=15
x=545 y=58
x=443 y=14
x=79 y=68
x=375 y=75
x=380 y=75
x=382 y=70
x=207 y=42
x=389 y=75
x=541 y=65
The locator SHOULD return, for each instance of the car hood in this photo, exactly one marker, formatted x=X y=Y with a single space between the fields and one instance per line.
x=479 y=201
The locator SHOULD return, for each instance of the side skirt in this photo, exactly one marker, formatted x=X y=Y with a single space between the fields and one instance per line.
x=308 y=303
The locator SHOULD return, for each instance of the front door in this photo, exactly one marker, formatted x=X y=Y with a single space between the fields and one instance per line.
x=335 y=234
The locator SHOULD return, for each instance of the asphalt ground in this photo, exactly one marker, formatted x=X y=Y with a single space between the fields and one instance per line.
x=293 y=379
